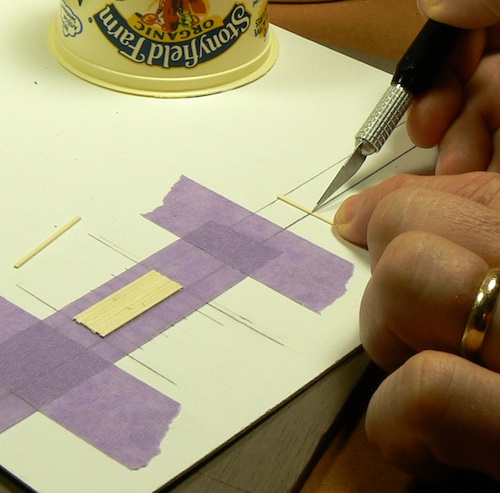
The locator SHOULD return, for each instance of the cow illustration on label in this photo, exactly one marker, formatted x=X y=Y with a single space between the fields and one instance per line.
x=174 y=14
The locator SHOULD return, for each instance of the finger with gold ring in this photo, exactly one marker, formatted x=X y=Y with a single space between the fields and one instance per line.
x=480 y=315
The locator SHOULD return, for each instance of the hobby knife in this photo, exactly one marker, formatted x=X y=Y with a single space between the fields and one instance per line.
x=414 y=74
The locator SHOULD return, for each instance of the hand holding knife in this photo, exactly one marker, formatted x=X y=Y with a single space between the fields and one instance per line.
x=414 y=74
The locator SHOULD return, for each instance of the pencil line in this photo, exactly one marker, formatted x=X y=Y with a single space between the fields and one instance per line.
x=47 y=242
x=113 y=247
x=304 y=209
x=242 y=320
x=156 y=372
x=36 y=297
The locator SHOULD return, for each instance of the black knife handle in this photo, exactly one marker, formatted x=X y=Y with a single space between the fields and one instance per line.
x=425 y=57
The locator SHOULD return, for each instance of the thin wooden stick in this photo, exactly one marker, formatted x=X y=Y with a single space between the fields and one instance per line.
x=304 y=209
x=47 y=242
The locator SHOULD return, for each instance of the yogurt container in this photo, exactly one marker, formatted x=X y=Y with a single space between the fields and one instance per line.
x=164 y=48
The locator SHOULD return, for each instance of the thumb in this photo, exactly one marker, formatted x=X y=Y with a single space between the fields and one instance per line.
x=353 y=216
x=468 y=14
x=438 y=409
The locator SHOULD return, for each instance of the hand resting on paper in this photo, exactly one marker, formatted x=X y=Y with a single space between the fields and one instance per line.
x=461 y=113
x=431 y=240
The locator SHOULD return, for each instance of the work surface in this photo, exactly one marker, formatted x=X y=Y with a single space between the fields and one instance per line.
x=70 y=148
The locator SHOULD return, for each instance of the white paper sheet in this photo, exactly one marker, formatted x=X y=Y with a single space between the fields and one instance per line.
x=70 y=148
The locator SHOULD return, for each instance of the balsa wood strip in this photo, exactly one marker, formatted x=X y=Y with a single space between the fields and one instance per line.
x=127 y=303
x=47 y=242
x=304 y=209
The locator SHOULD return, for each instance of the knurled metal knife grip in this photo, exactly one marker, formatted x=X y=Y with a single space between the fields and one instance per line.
x=383 y=119
x=414 y=74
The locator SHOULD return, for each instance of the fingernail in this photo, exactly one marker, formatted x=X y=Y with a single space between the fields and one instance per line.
x=346 y=212
x=345 y=218
x=349 y=221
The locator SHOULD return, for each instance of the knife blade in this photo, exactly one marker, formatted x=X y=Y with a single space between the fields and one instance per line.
x=414 y=74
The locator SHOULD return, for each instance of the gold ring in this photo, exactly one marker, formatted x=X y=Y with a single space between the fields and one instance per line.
x=480 y=315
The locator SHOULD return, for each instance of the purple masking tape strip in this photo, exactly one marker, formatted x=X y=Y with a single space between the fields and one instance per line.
x=184 y=263
x=107 y=407
x=118 y=341
x=257 y=228
x=69 y=328
x=217 y=283
x=108 y=351
x=235 y=249
x=40 y=365
x=200 y=273
x=189 y=206
x=116 y=413
x=13 y=409
x=305 y=272
x=14 y=320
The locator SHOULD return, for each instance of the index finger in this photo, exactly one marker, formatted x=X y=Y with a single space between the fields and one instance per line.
x=433 y=112
x=469 y=14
